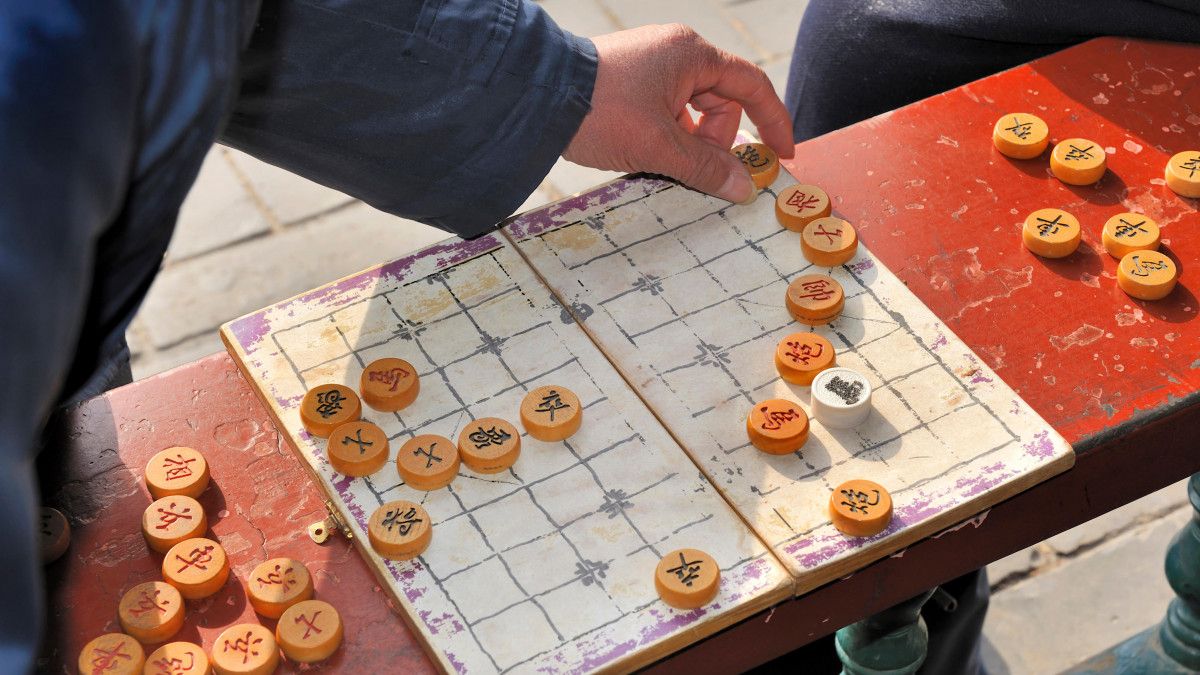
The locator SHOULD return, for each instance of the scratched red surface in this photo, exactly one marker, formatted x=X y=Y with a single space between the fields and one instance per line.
x=259 y=506
x=943 y=209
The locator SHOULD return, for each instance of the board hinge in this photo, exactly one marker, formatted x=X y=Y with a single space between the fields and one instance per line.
x=319 y=531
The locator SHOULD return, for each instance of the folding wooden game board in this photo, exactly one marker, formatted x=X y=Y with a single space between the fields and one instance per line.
x=661 y=308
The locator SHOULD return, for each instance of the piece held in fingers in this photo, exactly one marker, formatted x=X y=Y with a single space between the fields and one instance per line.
x=1125 y=233
x=860 y=508
x=54 y=534
x=551 y=413
x=389 y=384
x=177 y=471
x=357 y=448
x=112 y=654
x=777 y=426
x=170 y=520
x=1021 y=135
x=489 y=445
x=400 y=530
x=800 y=356
x=245 y=649
x=1078 y=161
x=196 y=567
x=277 y=584
x=1147 y=275
x=687 y=578
x=760 y=160
x=428 y=462
x=1051 y=233
x=328 y=406
x=799 y=205
x=151 y=612
x=309 y=631
x=815 y=299
x=829 y=242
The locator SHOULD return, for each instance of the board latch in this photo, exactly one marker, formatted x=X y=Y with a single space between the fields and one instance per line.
x=319 y=531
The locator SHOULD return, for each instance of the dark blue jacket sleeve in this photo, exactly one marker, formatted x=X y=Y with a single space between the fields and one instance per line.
x=447 y=112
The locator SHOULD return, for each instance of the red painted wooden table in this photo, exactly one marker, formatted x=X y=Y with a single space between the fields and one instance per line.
x=931 y=198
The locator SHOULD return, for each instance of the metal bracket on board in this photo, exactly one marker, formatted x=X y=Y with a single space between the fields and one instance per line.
x=319 y=531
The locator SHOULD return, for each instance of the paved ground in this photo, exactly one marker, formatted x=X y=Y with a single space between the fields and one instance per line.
x=251 y=234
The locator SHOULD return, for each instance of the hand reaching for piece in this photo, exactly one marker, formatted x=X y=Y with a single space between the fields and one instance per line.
x=639 y=119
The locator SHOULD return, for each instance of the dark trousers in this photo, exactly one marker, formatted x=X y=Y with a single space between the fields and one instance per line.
x=855 y=59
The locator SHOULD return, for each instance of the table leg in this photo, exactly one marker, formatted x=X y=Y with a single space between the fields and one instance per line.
x=893 y=642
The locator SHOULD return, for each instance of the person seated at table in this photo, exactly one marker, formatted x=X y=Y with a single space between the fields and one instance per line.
x=449 y=113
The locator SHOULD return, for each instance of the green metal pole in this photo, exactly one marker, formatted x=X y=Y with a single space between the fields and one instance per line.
x=893 y=642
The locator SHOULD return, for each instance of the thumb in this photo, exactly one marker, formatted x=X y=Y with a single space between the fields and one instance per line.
x=708 y=168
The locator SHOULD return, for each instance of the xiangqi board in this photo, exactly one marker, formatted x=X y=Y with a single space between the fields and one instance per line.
x=549 y=565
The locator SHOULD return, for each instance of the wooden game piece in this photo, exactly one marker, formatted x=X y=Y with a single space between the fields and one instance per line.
x=196 y=567
x=400 y=530
x=489 y=445
x=428 y=462
x=760 y=160
x=800 y=356
x=815 y=299
x=328 y=406
x=309 y=631
x=1051 y=233
x=860 y=508
x=1125 y=233
x=54 y=534
x=151 y=612
x=1021 y=135
x=172 y=519
x=777 y=426
x=1078 y=161
x=277 y=584
x=357 y=448
x=389 y=384
x=112 y=654
x=687 y=578
x=828 y=242
x=841 y=398
x=178 y=658
x=245 y=649
x=1183 y=173
x=799 y=205
x=551 y=413
x=177 y=471
x=1147 y=275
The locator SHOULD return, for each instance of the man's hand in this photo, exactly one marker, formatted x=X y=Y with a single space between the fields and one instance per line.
x=639 y=119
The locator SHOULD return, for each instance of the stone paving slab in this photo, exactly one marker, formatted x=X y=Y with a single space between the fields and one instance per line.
x=288 y=198
x=218 y=211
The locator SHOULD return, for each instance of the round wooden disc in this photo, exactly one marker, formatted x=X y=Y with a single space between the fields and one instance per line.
x=1078 y=161
x=112 y=654
x=828 y=242
x=170 y=520
x=54 y=534
x=1147 y=275
x=400 y=530
x=1051 y=233
x=777 y=426
x=277 y=584
x=327 y=406
x=551 y=413
x=357 y=448
x=860 y=508
x=800 y=356
x=489 y=445
x=799 y=205
x=1183 y=173
x=151 y=612
x=177 y=471
x=687 y=578
x=196 y=567
x=245 y=649
x=428 y=462
x=178 y=658
x=309 y=631
x=1125 y=233
x=1021 y=135
x=815 y=299
x=389 y=384
x=760 y=160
